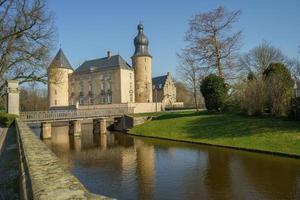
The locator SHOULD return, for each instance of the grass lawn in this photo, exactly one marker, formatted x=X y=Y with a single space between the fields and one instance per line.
x=261 y=133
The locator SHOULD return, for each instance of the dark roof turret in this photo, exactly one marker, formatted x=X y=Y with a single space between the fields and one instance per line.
x=141 y=42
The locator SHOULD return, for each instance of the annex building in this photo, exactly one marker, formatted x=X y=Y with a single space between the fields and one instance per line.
x=110 y=81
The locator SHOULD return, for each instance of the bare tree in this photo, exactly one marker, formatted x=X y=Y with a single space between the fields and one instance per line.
x=33 y=99
x=294 y=66
x=26 y=33
x=189 y=73
x=211 y=39
x=254 y=97
x=185 y=95
x=259 y=58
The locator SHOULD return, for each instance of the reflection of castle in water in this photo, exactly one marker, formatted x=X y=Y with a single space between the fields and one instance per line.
x=134 y=158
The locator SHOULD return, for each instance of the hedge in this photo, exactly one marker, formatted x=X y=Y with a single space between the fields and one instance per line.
x=7 y=119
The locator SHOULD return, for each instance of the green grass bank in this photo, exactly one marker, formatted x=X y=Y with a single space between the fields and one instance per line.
x=254 y=133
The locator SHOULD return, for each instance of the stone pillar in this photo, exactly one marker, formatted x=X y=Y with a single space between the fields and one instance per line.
x=13 y=97
x=75 y=128
x=103 y=141
x=103 y=126
x=77 y=144
x=46 y=130
x=99 y=126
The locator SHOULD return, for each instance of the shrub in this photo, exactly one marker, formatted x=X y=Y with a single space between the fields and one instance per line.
x=214 y=90
x=295 y=108
x=279 y=87
x=7 y=119
x=254 y=97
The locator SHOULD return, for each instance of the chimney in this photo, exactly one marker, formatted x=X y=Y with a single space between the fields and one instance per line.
x=109 y=54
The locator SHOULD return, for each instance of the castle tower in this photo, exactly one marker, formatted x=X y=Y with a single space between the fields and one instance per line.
x=58 y=80
x=142 y=64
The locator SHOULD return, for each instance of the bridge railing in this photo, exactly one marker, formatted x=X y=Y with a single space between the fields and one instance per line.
x=73 y=114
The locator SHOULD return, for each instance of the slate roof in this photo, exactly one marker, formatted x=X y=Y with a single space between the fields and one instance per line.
x=115 y=61
x=60 y=61
x=141 y=43
x=156 y=81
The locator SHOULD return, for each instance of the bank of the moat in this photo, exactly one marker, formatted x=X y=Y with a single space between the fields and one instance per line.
x=265 y=134
x=126 y=167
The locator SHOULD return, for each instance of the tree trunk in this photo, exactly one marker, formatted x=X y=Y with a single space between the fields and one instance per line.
x=195 y=97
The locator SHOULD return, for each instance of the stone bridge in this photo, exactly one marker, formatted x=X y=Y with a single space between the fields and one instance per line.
x=74 y=117
x=69 y=115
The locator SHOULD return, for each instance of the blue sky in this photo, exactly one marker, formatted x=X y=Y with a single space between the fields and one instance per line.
x=88 y=29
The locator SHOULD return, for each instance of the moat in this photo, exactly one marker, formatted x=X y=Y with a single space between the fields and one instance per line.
x=126 y=167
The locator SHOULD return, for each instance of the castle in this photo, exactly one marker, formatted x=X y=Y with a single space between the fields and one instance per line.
x=110 y=80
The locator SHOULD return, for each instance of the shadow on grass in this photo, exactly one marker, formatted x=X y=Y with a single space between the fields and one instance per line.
x=232 y=125
x=174 y=115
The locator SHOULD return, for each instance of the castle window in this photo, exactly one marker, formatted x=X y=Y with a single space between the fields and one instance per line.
x=55 y=92
x=109 y=98
x=81 y=100
x=109 y=85
x=55 y=102
x=81 y=86
x=102 y=86
x=131 y=97
x=91 y=100
x=90 y=87
x=102 y=99
x=108 y=77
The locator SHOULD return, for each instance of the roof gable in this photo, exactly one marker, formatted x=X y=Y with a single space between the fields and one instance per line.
x=159 y=80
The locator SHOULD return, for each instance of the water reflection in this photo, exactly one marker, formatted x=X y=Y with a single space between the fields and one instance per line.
x=125 y=167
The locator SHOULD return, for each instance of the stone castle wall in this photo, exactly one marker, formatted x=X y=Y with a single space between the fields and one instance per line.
x=143 y=78
x=97 y=85
x=58 y=86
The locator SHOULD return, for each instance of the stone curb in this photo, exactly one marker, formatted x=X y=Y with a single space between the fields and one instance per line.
x=49 y=179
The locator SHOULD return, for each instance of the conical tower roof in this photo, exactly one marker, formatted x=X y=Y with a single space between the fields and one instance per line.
x=60 y=61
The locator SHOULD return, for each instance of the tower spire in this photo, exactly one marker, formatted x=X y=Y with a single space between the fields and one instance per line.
x=141 y=42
